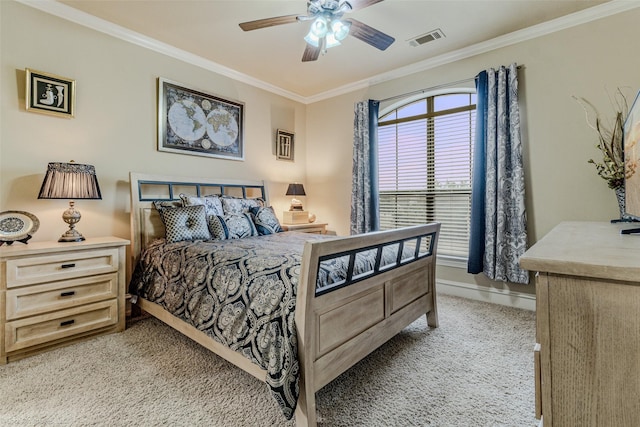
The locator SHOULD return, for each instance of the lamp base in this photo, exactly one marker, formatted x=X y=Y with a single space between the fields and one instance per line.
x=296 y=205
x=71 y=235
x=71 y=217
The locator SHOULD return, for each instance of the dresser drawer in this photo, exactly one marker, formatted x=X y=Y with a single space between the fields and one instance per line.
x=68 y=265
x=39 y=299
x=41 y=329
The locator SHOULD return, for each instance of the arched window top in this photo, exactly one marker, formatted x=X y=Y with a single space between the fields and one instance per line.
x=417 y=105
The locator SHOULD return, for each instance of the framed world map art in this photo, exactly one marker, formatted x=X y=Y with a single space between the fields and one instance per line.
x=198 y=123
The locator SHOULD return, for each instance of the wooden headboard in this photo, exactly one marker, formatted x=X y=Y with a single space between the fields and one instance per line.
x=146 y=224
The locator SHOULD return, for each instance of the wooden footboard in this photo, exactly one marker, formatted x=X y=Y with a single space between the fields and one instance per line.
x=340 y=326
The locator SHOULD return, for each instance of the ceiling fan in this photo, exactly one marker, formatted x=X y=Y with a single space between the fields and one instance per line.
x=328 y=28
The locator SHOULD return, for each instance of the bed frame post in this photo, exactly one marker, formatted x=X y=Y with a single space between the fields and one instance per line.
x=305 y=325
x=432 y=315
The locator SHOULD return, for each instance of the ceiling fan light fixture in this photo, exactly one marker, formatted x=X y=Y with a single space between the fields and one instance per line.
x=340 y=29
x=331 y=41
x=320 y=27
x=312 y=39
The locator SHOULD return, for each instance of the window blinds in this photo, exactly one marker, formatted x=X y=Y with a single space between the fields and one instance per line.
x=425 y=173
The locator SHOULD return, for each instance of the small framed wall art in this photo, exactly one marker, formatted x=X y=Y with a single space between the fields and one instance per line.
x=50 y=94
x=284 y=145
x=198 y=123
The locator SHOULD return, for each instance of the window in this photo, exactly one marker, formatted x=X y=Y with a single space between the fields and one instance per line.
x=425 y=159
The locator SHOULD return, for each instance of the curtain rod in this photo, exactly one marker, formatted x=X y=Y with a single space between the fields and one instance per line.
x=415 y=92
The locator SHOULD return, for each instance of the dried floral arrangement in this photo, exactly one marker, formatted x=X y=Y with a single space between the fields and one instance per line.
x=632 y=146
x=610 y=142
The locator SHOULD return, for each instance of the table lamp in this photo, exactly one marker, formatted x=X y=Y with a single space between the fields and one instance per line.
x=295 y=190
x=70 y=181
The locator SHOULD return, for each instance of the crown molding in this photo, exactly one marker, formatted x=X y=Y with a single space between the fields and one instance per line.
x=578 y=18
x=63 y=11
x=603 y=10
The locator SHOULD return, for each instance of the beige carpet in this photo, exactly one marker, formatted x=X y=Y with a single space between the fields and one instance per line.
x=476 y=369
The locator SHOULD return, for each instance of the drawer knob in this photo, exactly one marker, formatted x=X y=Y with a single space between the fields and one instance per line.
x=67 y=322
x=68 y=265
x=67 y=294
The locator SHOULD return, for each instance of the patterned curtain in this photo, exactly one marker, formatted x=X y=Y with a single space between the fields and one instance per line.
x=365 y=214
x=498 y=219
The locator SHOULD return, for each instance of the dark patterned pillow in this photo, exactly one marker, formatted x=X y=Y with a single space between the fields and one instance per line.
x=232 y=226
x=185 y=223
x=265 y=220
x=212 y=203
x=235 y=205
x=217 y=227
x=161 y=204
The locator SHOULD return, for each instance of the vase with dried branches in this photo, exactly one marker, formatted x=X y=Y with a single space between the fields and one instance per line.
x=610 y=143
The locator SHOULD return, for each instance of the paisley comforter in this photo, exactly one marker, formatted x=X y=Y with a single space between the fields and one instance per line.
x=240 y=292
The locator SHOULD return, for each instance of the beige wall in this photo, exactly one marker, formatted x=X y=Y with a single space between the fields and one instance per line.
x=115 y=124
x=590 y=60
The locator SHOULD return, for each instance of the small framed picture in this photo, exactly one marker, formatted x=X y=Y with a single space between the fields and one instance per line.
x=284 y=145
x=50 y=94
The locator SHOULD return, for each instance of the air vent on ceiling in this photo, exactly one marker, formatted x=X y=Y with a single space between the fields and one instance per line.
x=426 y=38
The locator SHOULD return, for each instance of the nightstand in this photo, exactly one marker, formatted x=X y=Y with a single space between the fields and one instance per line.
x=54 y=294
x=312 y=227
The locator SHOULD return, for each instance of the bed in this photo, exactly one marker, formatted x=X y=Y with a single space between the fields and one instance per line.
x=292 y=309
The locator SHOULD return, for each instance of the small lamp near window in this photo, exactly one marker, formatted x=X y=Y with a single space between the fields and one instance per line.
x=70 y=181
x=295 y=190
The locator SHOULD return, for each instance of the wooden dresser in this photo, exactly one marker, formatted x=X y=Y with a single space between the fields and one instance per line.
x=52 y=294
x=587 y=354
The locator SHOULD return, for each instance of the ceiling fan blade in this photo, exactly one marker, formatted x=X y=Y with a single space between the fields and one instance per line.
x=361 y=4
x=369 y=35
x=268 y=22
x=310 y=53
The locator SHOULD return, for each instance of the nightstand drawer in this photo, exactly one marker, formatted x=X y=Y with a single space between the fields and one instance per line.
x=43 y=269
x=61 y=324
x=314 y=230
x=39 y=299
x=309 y=227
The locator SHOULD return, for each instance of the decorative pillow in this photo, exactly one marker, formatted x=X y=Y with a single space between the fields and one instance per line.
x=185 y=223
x=265 y=220
x=217 y=227
x=161 y=204
x=235 y=205
x=232 y=226
x=211 y=203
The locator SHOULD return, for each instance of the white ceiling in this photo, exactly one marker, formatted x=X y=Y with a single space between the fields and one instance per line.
x=271 y=56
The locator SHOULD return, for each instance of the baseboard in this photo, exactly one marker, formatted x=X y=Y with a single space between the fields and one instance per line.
x=481 y=293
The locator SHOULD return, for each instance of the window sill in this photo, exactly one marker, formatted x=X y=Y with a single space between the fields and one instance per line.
x=452 y=261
